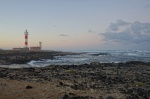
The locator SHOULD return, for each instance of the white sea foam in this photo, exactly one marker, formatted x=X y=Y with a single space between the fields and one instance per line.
x=16 y=66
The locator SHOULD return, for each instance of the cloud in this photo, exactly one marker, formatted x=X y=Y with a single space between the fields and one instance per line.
x=91 y=31
x=63 y=35
x=127 y=32
x=115 y=26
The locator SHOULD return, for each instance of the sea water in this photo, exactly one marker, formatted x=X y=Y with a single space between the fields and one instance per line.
x=86 y=57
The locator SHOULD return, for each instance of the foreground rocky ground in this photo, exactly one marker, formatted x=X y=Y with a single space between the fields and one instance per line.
x=129 y=80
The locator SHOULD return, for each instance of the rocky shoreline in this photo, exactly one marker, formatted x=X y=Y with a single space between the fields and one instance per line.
x=8 y=57
x=130 y=80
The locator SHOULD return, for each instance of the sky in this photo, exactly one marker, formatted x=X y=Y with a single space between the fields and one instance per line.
x=76 y=24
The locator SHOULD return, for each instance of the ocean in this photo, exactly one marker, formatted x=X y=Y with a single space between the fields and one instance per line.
x=86 y=57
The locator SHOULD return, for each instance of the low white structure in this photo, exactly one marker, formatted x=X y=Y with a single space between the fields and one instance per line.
x=38 y=48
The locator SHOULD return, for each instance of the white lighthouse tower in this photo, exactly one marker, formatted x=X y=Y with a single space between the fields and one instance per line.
x=26 y=38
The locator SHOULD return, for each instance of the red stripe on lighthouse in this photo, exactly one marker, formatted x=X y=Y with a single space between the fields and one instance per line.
x=26 y=37
x=26 y=43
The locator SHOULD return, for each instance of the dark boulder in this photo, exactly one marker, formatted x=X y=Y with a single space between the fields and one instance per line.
x=110 y=97
x=61 y=83
x=29 y=87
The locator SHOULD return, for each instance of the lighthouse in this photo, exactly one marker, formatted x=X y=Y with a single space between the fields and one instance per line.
x=26 y=38
x=26 y=48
